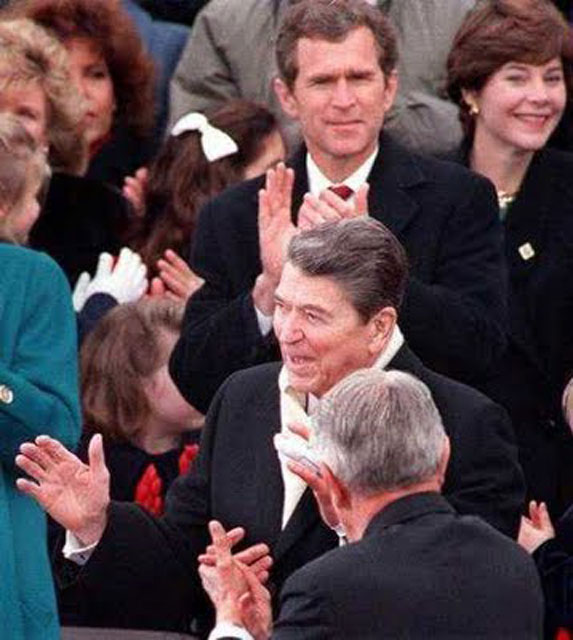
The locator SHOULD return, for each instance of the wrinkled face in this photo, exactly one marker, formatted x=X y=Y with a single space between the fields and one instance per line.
x=272 y=151
x=165 y=401
x=321 y=336
x=28 y=103
x=91 y=75
x=340 y=96
x=520 y=105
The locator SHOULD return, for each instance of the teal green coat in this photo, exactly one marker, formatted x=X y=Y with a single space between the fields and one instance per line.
x=38 y=394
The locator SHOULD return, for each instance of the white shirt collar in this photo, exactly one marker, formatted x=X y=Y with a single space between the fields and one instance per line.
x=384 y=359
x=318 y=182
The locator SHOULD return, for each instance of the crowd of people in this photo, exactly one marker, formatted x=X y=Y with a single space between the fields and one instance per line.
x=294 y=360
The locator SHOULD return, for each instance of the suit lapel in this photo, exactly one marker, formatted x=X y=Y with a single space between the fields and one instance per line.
x=270 y=490
x=303 y=518
x=300 y=187
x=392 y=174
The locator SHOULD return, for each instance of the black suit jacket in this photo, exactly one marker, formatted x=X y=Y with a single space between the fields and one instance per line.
x=420 y=571
x=150 y=565
x=453 y=315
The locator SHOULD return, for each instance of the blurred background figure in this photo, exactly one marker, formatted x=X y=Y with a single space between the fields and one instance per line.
x=150 y=432
x=80 y=217
x=113 y=75
x=510 y=72
x=38 y=388
x=182 y=179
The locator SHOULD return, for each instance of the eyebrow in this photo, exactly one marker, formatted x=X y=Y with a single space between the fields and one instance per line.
x=307 y=307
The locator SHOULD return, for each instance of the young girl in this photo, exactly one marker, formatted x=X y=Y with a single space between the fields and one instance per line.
x=192 y=167
x=38 y=384
x=150 y=432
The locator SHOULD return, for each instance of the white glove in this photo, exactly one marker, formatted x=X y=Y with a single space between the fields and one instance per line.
x=125 y=281
x=79 y=295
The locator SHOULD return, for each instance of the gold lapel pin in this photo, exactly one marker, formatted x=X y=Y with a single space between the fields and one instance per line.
x=526 y=251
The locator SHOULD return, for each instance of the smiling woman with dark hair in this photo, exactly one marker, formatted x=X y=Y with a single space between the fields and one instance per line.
x=510 y=72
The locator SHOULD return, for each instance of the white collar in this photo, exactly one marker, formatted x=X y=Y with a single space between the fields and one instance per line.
x=318 y=182
x=384 y=359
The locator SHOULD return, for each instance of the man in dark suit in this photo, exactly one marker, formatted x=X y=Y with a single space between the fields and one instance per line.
x=337 y=64
x=336 y=310
x=417 y=569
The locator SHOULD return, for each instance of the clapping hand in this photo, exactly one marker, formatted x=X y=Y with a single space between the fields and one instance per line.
x=329 y=207
x=233 y=582
x=179 y=280
x=275 y=232
x=126 y=280
x=536 y=529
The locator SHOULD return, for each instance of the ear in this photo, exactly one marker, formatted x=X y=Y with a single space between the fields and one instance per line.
x=339 y=496
x=444 y=459
x=471 y=99
x=286 y=98
x=391 y=88
x=381 y=327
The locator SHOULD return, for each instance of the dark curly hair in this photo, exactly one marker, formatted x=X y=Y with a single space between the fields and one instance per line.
x=110 y=27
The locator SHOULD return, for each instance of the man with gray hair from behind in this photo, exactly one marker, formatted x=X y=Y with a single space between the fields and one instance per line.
x=416 y=568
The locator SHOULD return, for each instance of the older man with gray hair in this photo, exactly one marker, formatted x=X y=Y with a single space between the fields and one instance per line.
x=336 y=310
x=418 y=569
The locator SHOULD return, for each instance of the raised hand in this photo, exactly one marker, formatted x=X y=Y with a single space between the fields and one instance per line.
x=135 y=189
x=329 y=207
x=256 y=556
x=275 y=232
x=229 y=582
x=75 y=495
x=536 y=529
x=179 y=280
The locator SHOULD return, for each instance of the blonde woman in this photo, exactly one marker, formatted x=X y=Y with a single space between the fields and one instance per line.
x=38 y=385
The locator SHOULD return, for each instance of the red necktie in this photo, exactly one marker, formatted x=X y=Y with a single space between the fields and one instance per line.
x=342 y=191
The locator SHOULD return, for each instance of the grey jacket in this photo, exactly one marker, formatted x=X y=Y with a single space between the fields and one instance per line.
x=230 y=54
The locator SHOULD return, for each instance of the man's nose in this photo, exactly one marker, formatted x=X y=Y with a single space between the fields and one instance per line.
x=290 y=330
x=343 y=94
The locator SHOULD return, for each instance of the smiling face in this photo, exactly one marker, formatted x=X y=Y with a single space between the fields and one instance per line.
x=520 y=105
x=321 y=335
x=340 y=96
x=90 y=73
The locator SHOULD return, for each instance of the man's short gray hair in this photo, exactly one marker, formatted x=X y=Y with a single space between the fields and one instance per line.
x=361 y=255
x=379 y=431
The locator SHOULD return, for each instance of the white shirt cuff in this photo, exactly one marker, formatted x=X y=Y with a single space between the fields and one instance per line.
x=229 y=630
x=74 y=551
x=265 y=322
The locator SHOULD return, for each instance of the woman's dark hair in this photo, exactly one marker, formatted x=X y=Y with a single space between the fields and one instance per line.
x=124 y=348
x=109 y=26
x=500 y=31
x=181 y=179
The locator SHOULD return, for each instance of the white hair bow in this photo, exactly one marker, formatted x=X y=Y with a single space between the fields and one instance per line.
x=216 y=144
